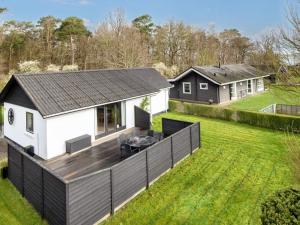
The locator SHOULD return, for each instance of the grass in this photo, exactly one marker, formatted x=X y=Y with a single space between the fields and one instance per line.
x=14 y=209
x=225 y=182
x=276 y=94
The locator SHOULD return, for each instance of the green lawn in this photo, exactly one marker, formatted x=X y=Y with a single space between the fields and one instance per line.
x=14 y=210
x=223 y=183
x=277 y=95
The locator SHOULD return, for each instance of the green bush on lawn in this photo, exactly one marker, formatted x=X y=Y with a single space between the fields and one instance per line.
x=282 y=209
x=272 y=121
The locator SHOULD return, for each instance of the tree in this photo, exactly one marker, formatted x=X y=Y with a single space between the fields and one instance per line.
x=233 y=46
x=47 y=26
x=144 y=24
x=14 y=42
x=70 y=30
x=2 y=10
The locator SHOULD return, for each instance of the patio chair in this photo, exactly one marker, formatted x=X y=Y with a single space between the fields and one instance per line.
x=127 y=150
x=122 y=139
x=157 y=135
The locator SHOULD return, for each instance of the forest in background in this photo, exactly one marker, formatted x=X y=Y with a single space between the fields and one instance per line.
x=53 y=44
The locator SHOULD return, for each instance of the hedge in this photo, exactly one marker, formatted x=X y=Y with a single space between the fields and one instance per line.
x=272 y=121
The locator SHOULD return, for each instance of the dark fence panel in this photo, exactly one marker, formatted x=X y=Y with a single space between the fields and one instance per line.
x=33 y=184
x=181 y=144
x=293 y=110
x=195 y=135
x=170 y=126
x=142 y=118
x=90 y=198
x=128 y=177
x=15 y=171
x=45 y=191
x=159 y=158
x=54 y=199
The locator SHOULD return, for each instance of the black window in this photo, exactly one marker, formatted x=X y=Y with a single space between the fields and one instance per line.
x=29 y=122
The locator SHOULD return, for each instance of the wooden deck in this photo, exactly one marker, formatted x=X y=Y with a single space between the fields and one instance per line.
x=98 y=157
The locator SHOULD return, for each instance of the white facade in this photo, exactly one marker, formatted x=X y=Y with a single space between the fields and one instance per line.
x=17 y=131
x=159 y=102
x=68 y=126
x=50 y=134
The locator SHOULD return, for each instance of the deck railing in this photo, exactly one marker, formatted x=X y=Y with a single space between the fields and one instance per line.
x=90 y=198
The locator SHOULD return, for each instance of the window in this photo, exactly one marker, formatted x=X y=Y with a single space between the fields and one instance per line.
x=260 y=85
x=203 y=86
x=249 y=85
x=186 y=88
x=29 y=122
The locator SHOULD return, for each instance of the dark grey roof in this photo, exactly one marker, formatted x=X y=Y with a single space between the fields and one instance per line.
x=229 y=73
x=58 y=92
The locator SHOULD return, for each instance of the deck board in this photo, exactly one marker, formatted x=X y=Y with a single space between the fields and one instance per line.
x=88 y=161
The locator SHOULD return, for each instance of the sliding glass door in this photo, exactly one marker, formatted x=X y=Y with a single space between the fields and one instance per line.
x=109 y=119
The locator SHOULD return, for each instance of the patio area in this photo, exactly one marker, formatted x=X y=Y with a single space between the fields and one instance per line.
x=103 y=154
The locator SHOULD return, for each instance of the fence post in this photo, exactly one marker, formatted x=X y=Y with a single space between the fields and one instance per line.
x=111 y=192
x=172 y=154
x=147 y=169
x=67 y=204
x=43 y=195
x=22 y=173
x=191 y=141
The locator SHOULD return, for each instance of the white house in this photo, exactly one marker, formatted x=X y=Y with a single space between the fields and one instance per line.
x=45 y=110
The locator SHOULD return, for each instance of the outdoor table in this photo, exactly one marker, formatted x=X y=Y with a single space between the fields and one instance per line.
x=141 y=142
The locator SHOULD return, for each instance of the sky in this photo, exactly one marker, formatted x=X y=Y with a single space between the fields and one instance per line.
x=251 y=17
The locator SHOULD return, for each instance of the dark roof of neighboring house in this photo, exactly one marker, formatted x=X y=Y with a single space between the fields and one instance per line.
x=225 y=73
x=58 y=92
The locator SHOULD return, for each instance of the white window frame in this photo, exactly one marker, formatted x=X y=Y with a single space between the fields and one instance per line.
x=27 y=127
x=206 y=86
x=183 y=89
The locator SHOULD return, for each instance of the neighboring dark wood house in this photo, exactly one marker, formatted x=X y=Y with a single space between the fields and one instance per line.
x=211 y=84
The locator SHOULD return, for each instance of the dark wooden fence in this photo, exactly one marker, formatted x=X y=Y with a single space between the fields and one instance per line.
x=142 y=118
x=43 y=189
x=90 y=198
x=293 y=110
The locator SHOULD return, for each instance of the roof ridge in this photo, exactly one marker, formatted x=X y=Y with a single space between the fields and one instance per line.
x=80 y=71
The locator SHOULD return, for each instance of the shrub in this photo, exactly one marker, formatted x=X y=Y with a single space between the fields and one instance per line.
x=53 y=68
x=70 y=67
x=283 y=208
x=29 y=66
x=145 y=104
x=276 y=122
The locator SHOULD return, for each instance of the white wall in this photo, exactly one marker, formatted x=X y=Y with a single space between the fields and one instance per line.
x=130 y=110
x=68 y=126
x=160 y=102
x=17 y=131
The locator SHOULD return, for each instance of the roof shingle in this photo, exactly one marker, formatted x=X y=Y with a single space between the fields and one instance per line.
x=58 y=92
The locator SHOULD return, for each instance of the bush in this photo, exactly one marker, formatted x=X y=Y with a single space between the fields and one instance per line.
x=282 y=209
x=276 y=122
x=29 y=66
